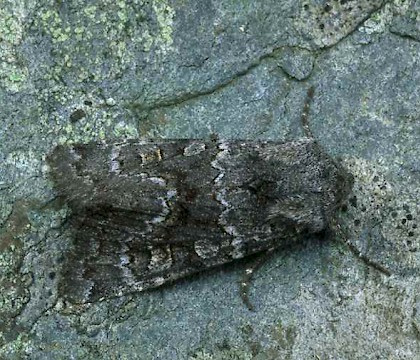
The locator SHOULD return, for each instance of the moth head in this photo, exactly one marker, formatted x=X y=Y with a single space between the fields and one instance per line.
x=343 y=185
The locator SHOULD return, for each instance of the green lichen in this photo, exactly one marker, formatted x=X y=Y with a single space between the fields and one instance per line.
x=98 y=41
x=224 y=354
x=11 y=297
x=10 y=28
x=402 y=5
x=13 y=77
x=13 y=74
x=90 y=11
x=378 y=21
x=8 y=260
x=17 y=348
x=94 y=42
x=122 y=129
x=164 y=15
x=99 y=128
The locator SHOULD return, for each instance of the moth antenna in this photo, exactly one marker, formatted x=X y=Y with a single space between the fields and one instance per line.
x=343 y=236
x=305 y=112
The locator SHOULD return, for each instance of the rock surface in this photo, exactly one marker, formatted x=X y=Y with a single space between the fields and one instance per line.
x=75 y=71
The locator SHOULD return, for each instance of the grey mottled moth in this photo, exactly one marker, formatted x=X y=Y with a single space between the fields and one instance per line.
x=148 y=212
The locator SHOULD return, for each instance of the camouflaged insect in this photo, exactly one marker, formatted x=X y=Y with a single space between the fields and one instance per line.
x=148 y=212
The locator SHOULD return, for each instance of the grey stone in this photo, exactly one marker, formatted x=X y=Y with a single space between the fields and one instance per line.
x=185 y=69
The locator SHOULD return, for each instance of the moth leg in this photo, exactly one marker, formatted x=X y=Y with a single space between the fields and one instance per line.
x=305 y=112
x=247 y=276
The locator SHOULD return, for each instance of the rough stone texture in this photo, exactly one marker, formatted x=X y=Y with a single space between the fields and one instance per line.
x=74 y=71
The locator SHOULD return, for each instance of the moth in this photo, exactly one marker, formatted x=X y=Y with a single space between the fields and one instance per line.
x=148 y=212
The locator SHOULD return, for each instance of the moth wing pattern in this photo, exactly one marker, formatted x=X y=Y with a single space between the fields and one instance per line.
x=145 y=213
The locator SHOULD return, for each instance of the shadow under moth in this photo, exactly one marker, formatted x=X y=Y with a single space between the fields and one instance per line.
x=148 y=212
